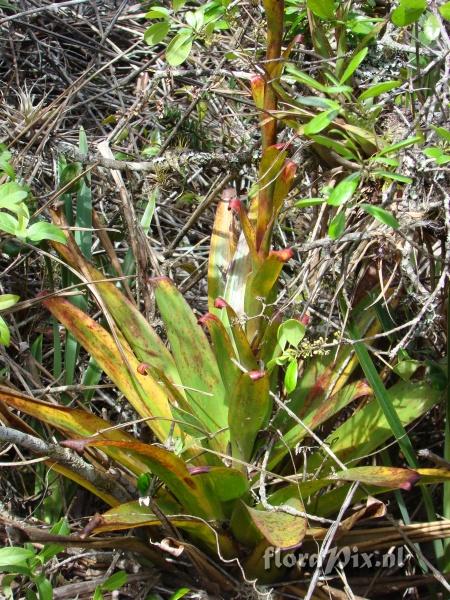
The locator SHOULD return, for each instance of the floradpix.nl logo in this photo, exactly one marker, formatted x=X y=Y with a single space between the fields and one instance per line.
x=336 y=558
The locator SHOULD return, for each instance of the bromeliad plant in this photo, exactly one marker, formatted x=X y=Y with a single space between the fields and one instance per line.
x=234 y=395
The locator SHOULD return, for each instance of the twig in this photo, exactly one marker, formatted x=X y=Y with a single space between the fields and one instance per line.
x=67 y=458
x=171 y=161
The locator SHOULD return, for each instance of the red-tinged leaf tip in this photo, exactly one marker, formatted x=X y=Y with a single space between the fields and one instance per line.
x=43 y=294
x=77 y=445
x=199 y=470
x=289 y=170
x=413 y=479
x=257 y=80
x=143 y=368
x=255 y=375
x=220 y=303
x=207 y=317
x=305 y=320
x=283 y=255
x=235 y=204
x=282 y=146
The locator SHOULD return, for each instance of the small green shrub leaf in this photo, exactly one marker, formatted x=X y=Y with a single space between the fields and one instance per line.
x=408 y=11
x=432 y=27
x=399 y=145
x=179 y=48
x=309 y=202
x=11 y=556
x=337 y=226
x=433 y=152
x=5 y=338
x=158 y=12
x=156 y=33
x=8 y=300
x=395 y=176
x=322 y=8
x=11 y=193
x=379 y=88
x=116 y=581
x=344 y=190
x=291 y=376
x=290 y=332
x=445 y=11
x=443 y=159
x=443 y=133
x=45 y=231
x=354 y=64
x=381 y=215
x=8 y=224
x=320 y=122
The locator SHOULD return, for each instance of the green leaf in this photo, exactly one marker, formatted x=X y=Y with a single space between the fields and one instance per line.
x=8 y=223
x=68 y=173
x=390 y=477
x=344 y=190
x=379 y=88
x=320 y=122
x=383 y=398
x=194 y=357
x=5 y=336
x=442 y=132
x=399 y=145
x=180 y=593
x=248 y=412
x=433 y=152
x=339 y=147
x=116 y=581
x=381 y=215
x=395 y=176
x=44 y=587
x=45 y=231
x=445 y=11
x=12 y=556
x=188 y=423
x=291 y=376
x=322 y=8
x=390 y=162
x=98 y=594
x=290 y=332
x=432 y=27
x=142 y=391
x=156 y=33
x=11 y=193
x=177 y=4
x=304 y=78
x=280 y=529
x=309 y=202
x=337 y=226
x=406 y=368
x=187 y=488
x=408 y=11
x=195 y=19
x=8 y=300
x=143 y=483
x=443 y=159
x=368 y=428
x=51 y=550
x=158 y=12
x=179 y=48
x=354 y=64
x=227 y=483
